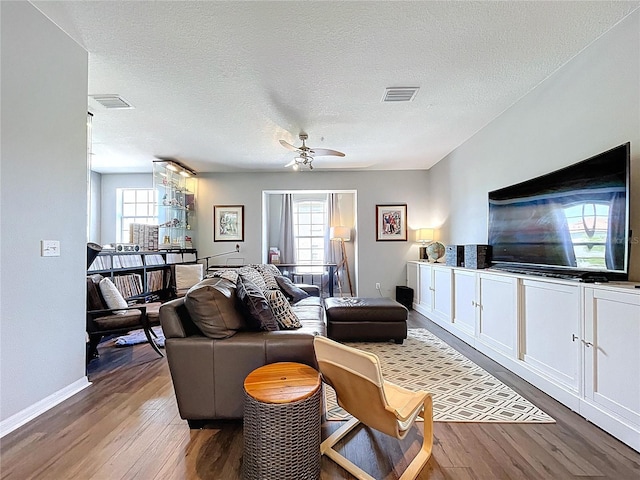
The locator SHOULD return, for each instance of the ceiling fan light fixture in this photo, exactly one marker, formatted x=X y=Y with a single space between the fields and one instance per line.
x=306 y=154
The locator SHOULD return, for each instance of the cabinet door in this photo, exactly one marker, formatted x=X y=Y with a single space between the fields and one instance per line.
x=442 y=279
x=426 y=288
x=412 y=281
x=612 y=351
x=497 y=312
x=464 y=310
x=551 y=323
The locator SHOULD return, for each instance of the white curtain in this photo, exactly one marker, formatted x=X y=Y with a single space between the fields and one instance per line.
x=287 y=237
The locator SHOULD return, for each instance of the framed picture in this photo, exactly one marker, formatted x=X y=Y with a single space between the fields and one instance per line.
x=228 y=223
x=391 y=223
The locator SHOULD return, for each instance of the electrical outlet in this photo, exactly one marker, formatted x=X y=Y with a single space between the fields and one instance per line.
x=377 y=286
x=50 y=248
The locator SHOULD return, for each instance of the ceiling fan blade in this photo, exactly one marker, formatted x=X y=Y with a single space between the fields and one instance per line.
x=290 y=164
x=288 y=146
x=318 y=152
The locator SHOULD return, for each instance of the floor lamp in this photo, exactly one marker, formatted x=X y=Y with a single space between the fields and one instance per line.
x=342 y=234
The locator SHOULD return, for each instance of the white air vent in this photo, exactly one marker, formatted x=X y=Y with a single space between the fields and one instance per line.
x=400 y=94
x=111 y=102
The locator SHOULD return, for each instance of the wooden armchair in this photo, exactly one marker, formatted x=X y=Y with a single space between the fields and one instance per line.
x=361 y=390
x=103 y=320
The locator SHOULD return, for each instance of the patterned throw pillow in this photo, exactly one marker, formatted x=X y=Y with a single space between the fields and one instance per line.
x=268 y=267
x=230 y=275
x=254 y=306
x=253 y=275
x=269 y=279
x=286 y=318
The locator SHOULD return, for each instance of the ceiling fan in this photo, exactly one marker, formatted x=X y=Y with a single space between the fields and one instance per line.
x=306 y=154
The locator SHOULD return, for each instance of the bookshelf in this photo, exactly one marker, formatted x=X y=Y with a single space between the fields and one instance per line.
x=141 y=275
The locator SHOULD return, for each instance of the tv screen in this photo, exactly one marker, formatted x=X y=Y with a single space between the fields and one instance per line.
x=576 y=218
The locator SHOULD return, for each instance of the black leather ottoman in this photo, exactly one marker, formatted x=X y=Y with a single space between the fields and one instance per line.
x=365 y=319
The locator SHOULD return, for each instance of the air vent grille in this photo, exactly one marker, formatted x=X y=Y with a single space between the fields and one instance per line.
x=400 y=94
x=111 y=102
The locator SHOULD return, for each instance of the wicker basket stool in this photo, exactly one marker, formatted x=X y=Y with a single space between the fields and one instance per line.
x=282 y=414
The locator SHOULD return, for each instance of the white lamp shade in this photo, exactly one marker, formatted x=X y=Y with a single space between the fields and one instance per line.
x=424 y=235
x=340 y=233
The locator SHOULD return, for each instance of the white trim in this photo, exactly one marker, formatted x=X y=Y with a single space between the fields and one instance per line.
x=10 y=424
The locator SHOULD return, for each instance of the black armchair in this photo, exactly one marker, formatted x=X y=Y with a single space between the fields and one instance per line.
x=102 y=320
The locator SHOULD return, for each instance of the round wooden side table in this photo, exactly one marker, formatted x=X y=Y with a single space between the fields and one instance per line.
x=282 y=414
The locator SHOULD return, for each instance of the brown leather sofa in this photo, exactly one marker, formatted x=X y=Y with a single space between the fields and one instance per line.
x=208 y=373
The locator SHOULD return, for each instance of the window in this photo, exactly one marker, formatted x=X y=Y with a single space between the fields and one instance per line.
x=588 y=227
x=310 y=220
x=136 y=205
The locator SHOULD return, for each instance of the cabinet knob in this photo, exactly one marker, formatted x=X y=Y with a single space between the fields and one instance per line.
x=473 y=303
x=573 y=337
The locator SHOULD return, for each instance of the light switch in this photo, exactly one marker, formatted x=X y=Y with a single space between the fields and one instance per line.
x=50 y=248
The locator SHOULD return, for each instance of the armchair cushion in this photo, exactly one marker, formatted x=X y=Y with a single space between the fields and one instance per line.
x=128 y=319
x=294 y=293
x=187 y=276
x=112 y=296
x=94 y=299
x=212 y=309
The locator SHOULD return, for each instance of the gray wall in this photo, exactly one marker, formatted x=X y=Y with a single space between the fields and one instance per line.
x=43 y=196
x=95 y=207
x=110 y=183
x=590 y=105
x=382 y=262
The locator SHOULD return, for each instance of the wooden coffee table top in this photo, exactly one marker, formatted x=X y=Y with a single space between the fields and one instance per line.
x=282 y=382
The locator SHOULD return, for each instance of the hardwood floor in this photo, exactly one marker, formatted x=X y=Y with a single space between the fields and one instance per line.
x=126 y=426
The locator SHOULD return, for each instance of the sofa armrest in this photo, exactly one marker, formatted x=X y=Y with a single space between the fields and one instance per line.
x=312 y=290
x=192 y=360
x=175 y=320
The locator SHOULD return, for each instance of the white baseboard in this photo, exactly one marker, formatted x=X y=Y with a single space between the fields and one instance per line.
x=15 y=421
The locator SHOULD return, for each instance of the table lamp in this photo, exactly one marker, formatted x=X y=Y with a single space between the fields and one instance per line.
x=423 y=236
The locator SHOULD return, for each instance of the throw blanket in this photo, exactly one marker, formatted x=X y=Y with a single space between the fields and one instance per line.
x=138 y=336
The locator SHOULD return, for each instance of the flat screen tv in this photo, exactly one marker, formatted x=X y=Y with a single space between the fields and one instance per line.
x=572 y=221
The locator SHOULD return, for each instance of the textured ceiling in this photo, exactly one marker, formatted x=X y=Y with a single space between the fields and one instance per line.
x=217 y=84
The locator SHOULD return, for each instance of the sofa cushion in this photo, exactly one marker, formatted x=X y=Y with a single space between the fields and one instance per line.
x=285 y=316
x=254 y=306
x=211 y=306
x=112 y=296
x=292 y=292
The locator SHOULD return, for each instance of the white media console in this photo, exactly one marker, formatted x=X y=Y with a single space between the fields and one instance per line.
x=577 y=342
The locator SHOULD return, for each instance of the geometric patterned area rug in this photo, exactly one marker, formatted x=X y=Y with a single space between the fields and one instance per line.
x=461 y=390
